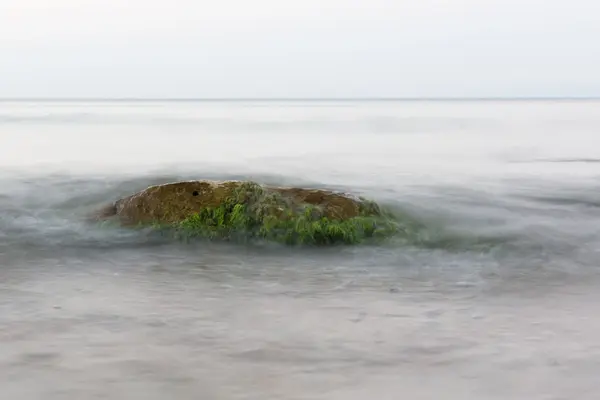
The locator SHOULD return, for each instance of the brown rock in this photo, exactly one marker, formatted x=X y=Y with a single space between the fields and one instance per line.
x=174 y=202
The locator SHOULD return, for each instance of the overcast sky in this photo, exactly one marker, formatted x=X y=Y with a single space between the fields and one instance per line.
x=299 y=48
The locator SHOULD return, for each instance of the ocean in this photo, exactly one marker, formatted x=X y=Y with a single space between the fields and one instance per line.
x=494 y=296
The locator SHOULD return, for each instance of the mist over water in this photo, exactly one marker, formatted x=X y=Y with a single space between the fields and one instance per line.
x=491 y=296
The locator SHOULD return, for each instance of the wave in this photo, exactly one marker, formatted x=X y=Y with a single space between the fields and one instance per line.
x=569 y=160
x=51 y=212
x=343 y=124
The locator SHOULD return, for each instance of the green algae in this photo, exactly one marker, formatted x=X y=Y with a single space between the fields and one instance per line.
x=252 y=212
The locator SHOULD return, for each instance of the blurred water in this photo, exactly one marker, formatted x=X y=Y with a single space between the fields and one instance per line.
x=493 y=299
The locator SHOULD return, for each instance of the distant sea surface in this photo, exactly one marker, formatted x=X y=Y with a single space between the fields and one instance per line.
x=495 y=297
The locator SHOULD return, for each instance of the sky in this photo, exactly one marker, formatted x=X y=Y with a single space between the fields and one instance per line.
x=299 y=48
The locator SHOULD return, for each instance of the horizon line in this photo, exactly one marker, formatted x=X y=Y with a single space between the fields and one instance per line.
x=216 y=99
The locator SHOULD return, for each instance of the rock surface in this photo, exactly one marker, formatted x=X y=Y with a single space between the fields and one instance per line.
x=175 y=202
x=238 y=210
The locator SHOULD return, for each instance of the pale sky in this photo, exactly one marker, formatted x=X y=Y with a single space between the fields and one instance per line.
x=299 y=48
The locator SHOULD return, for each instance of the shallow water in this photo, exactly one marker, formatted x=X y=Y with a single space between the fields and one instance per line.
x=492 y=298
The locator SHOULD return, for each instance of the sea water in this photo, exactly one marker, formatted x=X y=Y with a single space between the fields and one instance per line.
x=494 y=296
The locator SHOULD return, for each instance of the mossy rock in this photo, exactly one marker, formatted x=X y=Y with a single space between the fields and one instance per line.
x=239 y=210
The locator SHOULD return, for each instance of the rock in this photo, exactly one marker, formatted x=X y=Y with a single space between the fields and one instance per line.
x=229 y=208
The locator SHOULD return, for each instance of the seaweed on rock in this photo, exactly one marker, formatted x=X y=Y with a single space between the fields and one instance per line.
x=253 y=212
x=242 y=211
